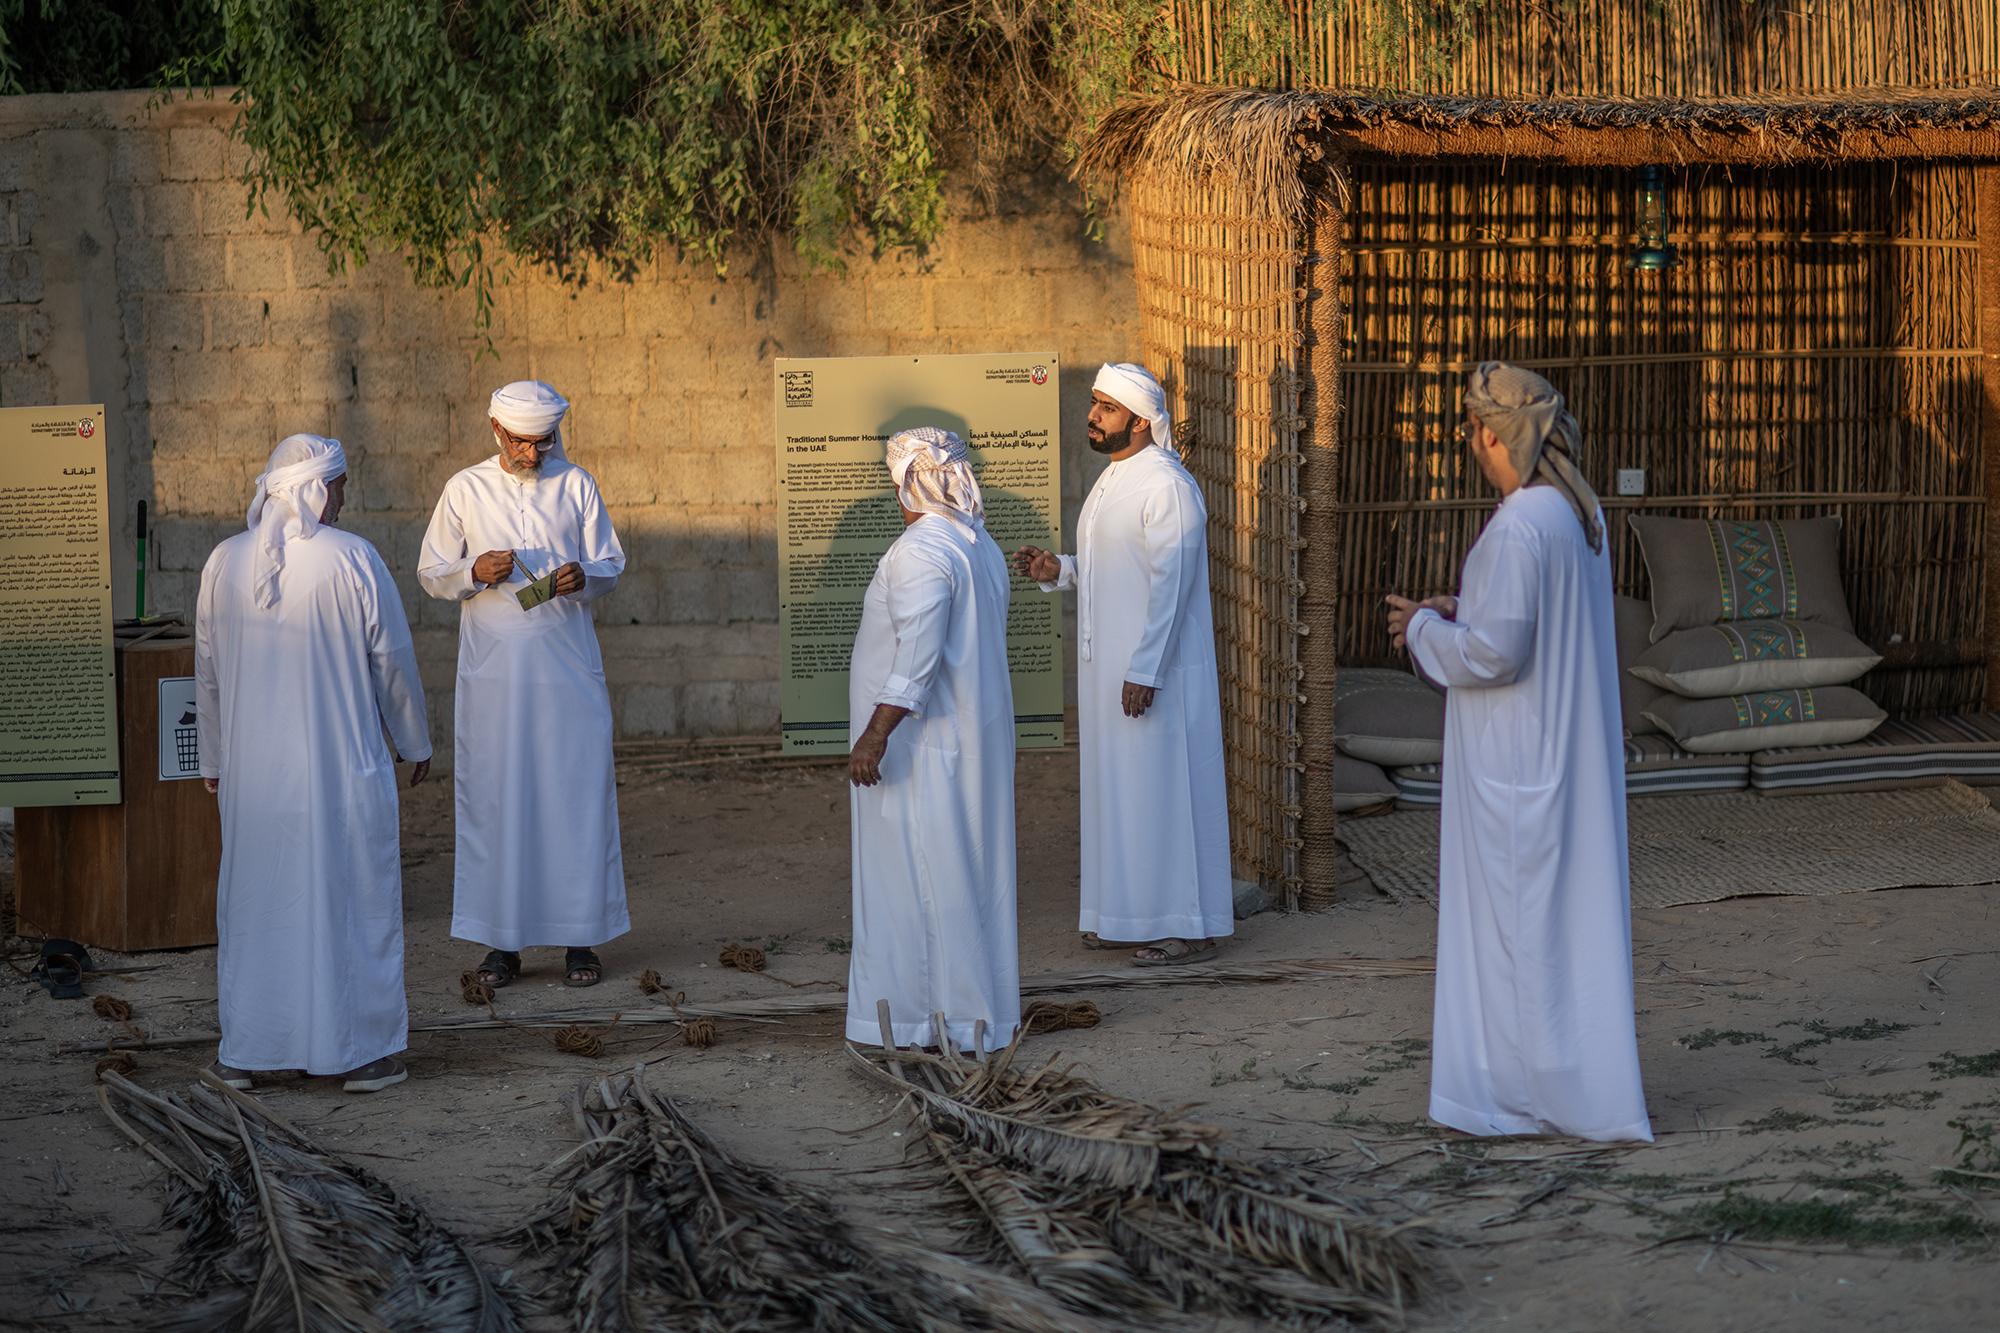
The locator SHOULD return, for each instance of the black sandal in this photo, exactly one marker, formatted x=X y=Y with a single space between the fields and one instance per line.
x=61 y=969
x=581 y=967
x=499 y=967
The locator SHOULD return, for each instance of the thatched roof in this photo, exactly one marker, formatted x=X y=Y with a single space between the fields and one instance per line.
x=1261 y=137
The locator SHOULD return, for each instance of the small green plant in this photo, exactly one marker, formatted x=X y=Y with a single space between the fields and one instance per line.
x=1825 y=1034
x=1978 y=1151
x=1342 y=1087
x=1785 y=1122
x=1856 y=1222
x=1218 y=1076
x=1949 y=1065
x=1900 y=1101
x=838 y=944
x=1401 y=1129
x=1402 y=1053
x=1707 y=1037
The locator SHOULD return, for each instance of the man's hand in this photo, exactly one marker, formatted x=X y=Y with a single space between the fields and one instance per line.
x=213 y=785
x=1444 y=604
x=420 y=772
x=493 y=567
x=1032 y=562
x=1400 y=611
x=864 y=761
x=569 y=579
x=1137 y=699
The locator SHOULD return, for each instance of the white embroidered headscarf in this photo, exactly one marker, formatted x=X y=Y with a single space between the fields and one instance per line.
x=291 y=495
x=531 y=408
x=1133 y=388
x=933 y=474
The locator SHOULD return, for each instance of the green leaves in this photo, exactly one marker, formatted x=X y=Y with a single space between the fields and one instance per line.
x=582 y=135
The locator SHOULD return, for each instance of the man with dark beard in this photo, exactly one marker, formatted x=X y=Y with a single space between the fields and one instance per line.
x=1155 y=818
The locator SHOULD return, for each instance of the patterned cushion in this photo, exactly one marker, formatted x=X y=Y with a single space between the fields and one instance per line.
x=1746 y=723
x=1753 y=656
x=1358 y=784
x=1387 y=717
x=1632 y=618
x=1710 y=572
x=1654 y=766
x=1902 y=752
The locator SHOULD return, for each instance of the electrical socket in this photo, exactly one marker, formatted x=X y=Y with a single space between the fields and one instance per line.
x=1631 y=481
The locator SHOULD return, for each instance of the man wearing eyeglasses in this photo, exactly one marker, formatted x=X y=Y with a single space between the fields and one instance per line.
x=522 y=542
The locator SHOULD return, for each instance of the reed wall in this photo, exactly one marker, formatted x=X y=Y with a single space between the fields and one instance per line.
x=1816 y=351
x=1217 y=276
x=1605 y=48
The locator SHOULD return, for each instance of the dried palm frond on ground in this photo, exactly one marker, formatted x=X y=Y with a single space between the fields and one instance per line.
x=1196 y=1226
x=281 y=1234
x=654 y=1225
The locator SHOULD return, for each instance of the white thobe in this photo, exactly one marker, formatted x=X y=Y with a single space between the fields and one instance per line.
x=290 y=703
x=537 y=799
x=933 y=841
x=1533 y=1029
x=1155 y=819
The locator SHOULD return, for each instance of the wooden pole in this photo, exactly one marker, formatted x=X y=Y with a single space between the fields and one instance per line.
x=1319 y=530
x=1986 y=185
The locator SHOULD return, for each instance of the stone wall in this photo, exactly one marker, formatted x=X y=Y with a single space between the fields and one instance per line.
x=132 y=272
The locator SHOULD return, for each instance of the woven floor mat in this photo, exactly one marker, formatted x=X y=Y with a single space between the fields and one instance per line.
x=1702 y=849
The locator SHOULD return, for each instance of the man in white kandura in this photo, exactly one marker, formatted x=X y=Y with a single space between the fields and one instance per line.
x=1533 y=1028
x=1155 y=814
x=301 y=655
x=931 y=731
x=538 y=856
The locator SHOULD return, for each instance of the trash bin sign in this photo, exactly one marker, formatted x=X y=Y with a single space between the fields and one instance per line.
x=180 y=745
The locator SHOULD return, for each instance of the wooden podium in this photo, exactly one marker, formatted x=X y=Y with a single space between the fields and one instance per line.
x=140 y=874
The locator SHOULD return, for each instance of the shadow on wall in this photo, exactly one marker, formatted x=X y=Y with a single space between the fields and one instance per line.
x=218 y=333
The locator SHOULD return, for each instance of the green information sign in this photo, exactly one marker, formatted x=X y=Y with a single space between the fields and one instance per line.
x=837 y=514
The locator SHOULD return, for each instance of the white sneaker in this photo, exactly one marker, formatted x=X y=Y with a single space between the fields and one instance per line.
x=384 y=1073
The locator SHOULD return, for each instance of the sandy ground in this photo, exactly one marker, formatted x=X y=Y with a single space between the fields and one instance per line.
x=1804 y=1059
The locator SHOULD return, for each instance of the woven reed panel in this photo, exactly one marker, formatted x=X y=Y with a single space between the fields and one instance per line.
x=1217 y=279
x=1617 y=48
x=1817 y=351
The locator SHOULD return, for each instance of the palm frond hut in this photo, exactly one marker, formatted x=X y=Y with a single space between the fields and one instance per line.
x=1318 y=266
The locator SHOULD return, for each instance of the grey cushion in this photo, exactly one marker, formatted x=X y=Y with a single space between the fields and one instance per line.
x=1902 y=752
x=1708 y=572
x=1633 y=621
x=1358 y=784
x=1753 y=656
x=1389 y=718
x=1777 y=719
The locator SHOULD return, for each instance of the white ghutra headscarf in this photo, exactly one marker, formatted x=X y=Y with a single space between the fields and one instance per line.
x=933 y=474
x=291 y=495
x=1133 y=388
x=531 y=408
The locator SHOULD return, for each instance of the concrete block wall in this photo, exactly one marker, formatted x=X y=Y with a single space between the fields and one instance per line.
x=132 y=271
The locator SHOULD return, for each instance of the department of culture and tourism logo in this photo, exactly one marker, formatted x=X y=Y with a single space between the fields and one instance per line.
x=87 y=427
x=1040 y=374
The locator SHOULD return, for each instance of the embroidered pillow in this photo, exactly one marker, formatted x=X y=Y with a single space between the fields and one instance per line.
x=1708 y=572
x=1774 y=720
x=1389 y=718
x=1752 y=657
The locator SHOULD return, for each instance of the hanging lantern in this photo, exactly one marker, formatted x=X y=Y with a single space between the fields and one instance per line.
x=1653 y=253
